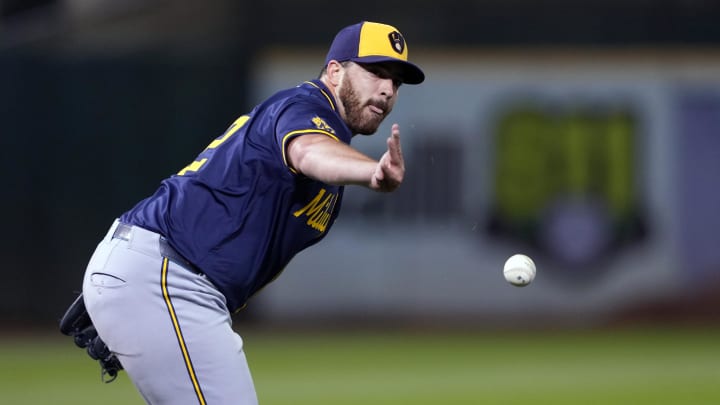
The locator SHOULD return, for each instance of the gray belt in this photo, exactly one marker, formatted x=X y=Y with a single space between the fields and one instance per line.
x=123 y=232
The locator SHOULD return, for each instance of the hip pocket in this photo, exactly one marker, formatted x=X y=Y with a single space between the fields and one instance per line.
x=106 y=280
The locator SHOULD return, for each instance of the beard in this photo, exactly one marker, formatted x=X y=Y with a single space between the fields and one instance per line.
x=358 y=118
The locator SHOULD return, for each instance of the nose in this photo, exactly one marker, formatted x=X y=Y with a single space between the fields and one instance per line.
x=387 y=87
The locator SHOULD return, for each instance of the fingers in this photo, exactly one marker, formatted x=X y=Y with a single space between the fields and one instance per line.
x=394 y=149
x=391 y=167
x=390 y=170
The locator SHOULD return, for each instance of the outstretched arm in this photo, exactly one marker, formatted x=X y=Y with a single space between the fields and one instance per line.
x=325 y=159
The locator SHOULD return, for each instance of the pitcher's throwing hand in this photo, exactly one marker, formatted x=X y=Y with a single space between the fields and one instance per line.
x=390 y=170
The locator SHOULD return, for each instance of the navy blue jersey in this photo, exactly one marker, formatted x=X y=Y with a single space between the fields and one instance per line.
x=239 y=212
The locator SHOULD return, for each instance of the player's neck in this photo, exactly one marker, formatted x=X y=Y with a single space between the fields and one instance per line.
x=333 y=90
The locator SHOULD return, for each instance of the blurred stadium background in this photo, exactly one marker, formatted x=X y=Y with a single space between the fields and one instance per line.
x=585 y=134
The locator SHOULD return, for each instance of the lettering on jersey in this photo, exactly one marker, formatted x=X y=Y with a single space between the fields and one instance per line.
x=319 y=210
x=322 y=125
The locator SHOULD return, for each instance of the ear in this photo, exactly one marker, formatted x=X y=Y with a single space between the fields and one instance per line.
x=334 y=72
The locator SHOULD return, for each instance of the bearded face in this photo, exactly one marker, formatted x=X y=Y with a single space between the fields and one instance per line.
x=362 y=115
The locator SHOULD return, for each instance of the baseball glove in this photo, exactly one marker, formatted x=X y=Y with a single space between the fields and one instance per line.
x=77 y=324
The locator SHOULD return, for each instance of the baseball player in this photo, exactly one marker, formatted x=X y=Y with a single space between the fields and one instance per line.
x=162 y=285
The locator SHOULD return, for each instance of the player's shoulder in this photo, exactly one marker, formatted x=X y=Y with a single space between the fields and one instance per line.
x=308 y=98
x=309 y=106
x=311 y=93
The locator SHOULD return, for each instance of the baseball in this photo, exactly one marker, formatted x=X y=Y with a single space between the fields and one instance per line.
x=519 y=270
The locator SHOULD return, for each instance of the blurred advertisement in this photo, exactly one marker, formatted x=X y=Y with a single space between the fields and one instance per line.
x=566 y=179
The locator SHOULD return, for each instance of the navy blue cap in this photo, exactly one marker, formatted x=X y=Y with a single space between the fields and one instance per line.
x=369 y=42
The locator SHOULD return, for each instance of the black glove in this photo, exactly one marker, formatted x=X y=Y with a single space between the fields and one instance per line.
x=76 y=323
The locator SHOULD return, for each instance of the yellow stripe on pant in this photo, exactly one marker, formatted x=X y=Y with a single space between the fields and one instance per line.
x=178 y=333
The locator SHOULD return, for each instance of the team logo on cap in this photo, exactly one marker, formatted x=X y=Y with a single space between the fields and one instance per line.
x=397 y=41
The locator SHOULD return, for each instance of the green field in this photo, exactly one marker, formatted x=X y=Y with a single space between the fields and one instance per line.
x=634 y=367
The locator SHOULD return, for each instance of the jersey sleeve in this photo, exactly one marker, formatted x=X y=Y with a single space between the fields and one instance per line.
x=302 y=118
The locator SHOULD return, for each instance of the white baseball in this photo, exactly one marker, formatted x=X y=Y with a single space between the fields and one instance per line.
x=519 y=270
